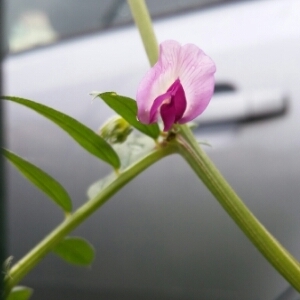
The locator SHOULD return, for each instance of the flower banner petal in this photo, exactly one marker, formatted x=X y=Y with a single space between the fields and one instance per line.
x=194 y=70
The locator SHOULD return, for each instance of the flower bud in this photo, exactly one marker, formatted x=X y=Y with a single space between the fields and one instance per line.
x=115 y=130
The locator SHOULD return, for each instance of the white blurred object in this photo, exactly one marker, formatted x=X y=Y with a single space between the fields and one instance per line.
x=237 y=106
x=32 y=29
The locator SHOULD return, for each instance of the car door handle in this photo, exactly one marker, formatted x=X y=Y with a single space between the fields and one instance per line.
x=239 y=106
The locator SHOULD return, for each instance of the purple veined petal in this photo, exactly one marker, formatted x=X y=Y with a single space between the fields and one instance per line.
x=158 y=79
x=194 y=71
x=198 y=101
x=145 y=95
x=197 y=77
x=168 y=112
x=169 y=57
x=178 y=100
x=171 y=105
x=156 y=106
x=172 y=112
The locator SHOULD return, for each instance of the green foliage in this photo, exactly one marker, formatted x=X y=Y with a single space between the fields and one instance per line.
x=41 y=179
x=76 y=251
x=127 y=108
x=133 y=149
x=115 y=130
x=20 y=293
x=99 y=185
x=83 y=135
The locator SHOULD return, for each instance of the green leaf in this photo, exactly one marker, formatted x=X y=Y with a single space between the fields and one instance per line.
x=20 y=293
x=83 y=135
x=76 y=251
x=127 y=108
x=41 y=179
x=133 y=149
x=99 y=185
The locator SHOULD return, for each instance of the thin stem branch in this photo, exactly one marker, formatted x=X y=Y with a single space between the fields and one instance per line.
x=23 y=266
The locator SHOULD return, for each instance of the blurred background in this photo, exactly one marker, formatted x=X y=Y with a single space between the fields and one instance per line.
x=32 y=23
x=164 y=236
x=2 y=204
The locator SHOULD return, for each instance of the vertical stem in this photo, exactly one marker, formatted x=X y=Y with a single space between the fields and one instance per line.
x=143 y=22
x=272 y=250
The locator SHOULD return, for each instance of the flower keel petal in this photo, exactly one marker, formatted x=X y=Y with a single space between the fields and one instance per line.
x=178 y=87
x=168 y=112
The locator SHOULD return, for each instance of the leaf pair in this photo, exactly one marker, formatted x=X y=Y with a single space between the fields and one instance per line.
x=133 y=149
x=83 y=135
x=79 y=132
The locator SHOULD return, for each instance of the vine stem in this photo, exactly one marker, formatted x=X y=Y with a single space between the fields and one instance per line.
x=31 y=259
x=272 y=250
x=143 y=22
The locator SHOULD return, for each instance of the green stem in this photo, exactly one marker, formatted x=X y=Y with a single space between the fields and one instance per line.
x=23 y=266
x=273 y=251
x=143 y=22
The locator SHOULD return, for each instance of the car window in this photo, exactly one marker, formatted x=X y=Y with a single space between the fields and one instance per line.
x=34 y=23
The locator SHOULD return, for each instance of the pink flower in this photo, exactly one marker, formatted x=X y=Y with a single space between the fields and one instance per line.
x=178 y=87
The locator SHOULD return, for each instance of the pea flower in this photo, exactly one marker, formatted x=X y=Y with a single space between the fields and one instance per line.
x=178 y=87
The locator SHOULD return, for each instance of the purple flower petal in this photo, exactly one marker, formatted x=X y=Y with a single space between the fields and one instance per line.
x=178 y=87
x=178 y=99
x=167 y=112
x=197 y=78
x=158 y=79
x=170 y=105
x=156 y=106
